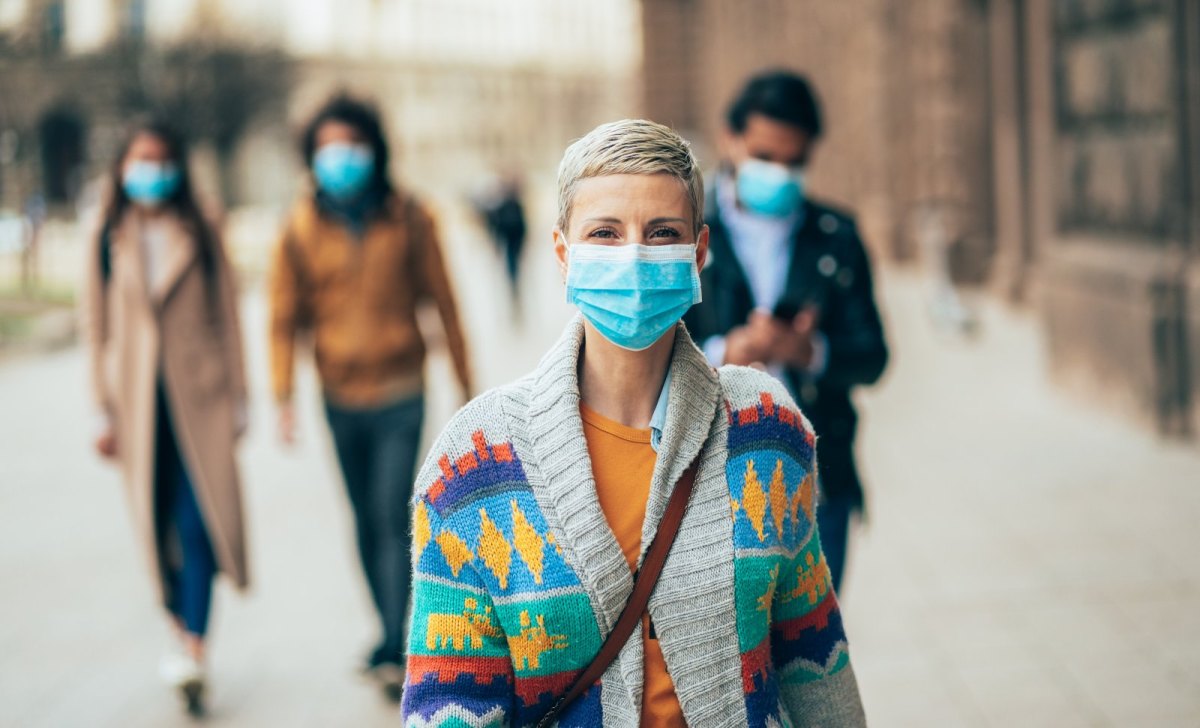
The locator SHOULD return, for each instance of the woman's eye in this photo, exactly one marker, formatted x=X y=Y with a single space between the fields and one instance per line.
x=665 y=233
x=603 y=233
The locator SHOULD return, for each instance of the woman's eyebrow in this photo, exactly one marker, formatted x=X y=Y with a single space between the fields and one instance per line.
x=616 y=220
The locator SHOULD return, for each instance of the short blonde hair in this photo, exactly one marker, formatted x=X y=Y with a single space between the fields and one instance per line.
x=629 y=146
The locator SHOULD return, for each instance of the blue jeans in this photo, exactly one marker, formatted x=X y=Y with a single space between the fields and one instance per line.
x=833 y=525
x=188 y=563
x=377 y=451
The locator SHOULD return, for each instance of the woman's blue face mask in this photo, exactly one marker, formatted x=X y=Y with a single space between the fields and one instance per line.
x=632 y=294
x=150 y=183
x=343 y=170
x=769 y=189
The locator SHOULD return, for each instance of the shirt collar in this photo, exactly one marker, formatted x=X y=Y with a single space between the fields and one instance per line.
x=658 y=420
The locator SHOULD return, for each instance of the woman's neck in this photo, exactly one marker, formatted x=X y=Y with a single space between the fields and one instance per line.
x=150 y=212
x=619 y=384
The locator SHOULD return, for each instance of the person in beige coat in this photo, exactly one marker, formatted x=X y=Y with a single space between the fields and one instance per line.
x=166 y=362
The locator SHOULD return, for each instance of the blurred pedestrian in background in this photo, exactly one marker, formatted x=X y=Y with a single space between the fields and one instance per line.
x=788 y=286
x=505 y=217
x=166 y=359
x=537 y=508
x=35 y=217
x=357 y=258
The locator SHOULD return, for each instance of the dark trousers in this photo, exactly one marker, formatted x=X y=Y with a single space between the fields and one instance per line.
x=377 y=450
x=189 y=564
x=833 y=525
x=512 y=259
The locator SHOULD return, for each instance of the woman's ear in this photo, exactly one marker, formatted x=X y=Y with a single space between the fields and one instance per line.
x=560 y=252
x=702 y=248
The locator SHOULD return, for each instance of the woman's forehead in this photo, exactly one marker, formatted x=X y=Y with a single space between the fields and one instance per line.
x=147 y=144
x=623 y=196
x=336 y=130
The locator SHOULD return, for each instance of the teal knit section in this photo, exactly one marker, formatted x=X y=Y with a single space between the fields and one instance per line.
x=755 y=580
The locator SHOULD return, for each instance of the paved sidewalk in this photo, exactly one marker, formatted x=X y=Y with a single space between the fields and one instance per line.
x=1028 y=561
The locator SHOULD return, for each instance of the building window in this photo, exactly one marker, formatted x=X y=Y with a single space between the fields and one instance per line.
x=134 y=27
x=54 y=25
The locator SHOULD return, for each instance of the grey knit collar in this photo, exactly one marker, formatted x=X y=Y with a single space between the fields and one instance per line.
x=566 y=491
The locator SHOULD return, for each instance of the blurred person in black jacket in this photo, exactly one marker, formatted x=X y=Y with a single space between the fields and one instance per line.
x=500 y=208
x=788 y=284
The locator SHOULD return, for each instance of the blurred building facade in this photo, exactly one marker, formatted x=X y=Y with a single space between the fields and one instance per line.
x=1054 y=143
x=466 y=85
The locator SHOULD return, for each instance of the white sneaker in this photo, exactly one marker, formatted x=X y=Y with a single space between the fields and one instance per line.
x=183 y=673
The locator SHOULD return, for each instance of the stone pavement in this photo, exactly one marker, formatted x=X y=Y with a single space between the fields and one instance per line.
x=1027 y=561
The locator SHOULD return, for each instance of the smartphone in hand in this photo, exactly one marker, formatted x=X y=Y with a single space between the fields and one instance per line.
x=786 y=310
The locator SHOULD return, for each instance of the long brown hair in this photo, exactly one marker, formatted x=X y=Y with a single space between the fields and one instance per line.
x=182 y=202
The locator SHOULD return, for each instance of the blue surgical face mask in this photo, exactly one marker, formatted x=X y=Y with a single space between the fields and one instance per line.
x=632 y=294
x=150 y=183
x=343 y=170
x=769 y=189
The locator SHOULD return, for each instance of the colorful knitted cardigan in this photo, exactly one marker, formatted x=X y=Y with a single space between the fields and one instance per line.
x=517 y=577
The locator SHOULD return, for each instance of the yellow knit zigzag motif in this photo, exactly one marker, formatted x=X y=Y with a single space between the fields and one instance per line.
x=550 y=540
x=803 y=499
x=755 y=500
x=778 y=497
x=494 y=549
x=528 y=542
x=455 y=550
x=421 y=530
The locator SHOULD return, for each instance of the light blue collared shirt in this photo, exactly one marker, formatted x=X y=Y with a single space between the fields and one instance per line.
x=658 y=420
x=763 y=245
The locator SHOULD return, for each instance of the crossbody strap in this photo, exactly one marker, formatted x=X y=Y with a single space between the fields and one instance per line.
x=643 y=586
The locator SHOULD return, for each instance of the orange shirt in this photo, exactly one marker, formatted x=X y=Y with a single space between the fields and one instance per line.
x=623 y=464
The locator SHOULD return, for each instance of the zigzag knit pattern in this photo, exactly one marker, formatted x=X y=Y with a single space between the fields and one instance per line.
x=488 y=573
x=502 y=624
x=789 y=624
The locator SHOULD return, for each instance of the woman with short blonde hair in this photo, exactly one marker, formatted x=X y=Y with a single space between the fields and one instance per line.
x=626 y=535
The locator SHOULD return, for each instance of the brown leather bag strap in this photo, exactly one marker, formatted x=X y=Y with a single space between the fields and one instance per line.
x=643 y=586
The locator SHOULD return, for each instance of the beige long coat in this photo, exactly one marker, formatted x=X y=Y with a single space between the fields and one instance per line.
x=191 y=338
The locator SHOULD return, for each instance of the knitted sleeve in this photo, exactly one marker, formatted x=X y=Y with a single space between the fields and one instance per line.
x=808 y=644
x=795 y=664
x=459 y=669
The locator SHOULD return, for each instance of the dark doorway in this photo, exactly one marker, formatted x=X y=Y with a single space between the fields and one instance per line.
x=62 y=140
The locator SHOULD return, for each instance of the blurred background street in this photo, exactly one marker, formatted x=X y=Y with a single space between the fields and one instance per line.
x=1025 y=174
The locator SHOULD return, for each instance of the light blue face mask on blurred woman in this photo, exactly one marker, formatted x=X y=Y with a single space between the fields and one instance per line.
x=343 y=170
x=770 y=189
x=150 y=183
x=632 y=294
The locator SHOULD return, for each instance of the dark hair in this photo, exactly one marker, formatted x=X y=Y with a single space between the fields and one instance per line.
x=182 y=202
x=363 y=117
x=780 y=95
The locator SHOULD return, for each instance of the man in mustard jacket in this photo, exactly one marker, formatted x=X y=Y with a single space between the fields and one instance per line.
x=356 y=260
